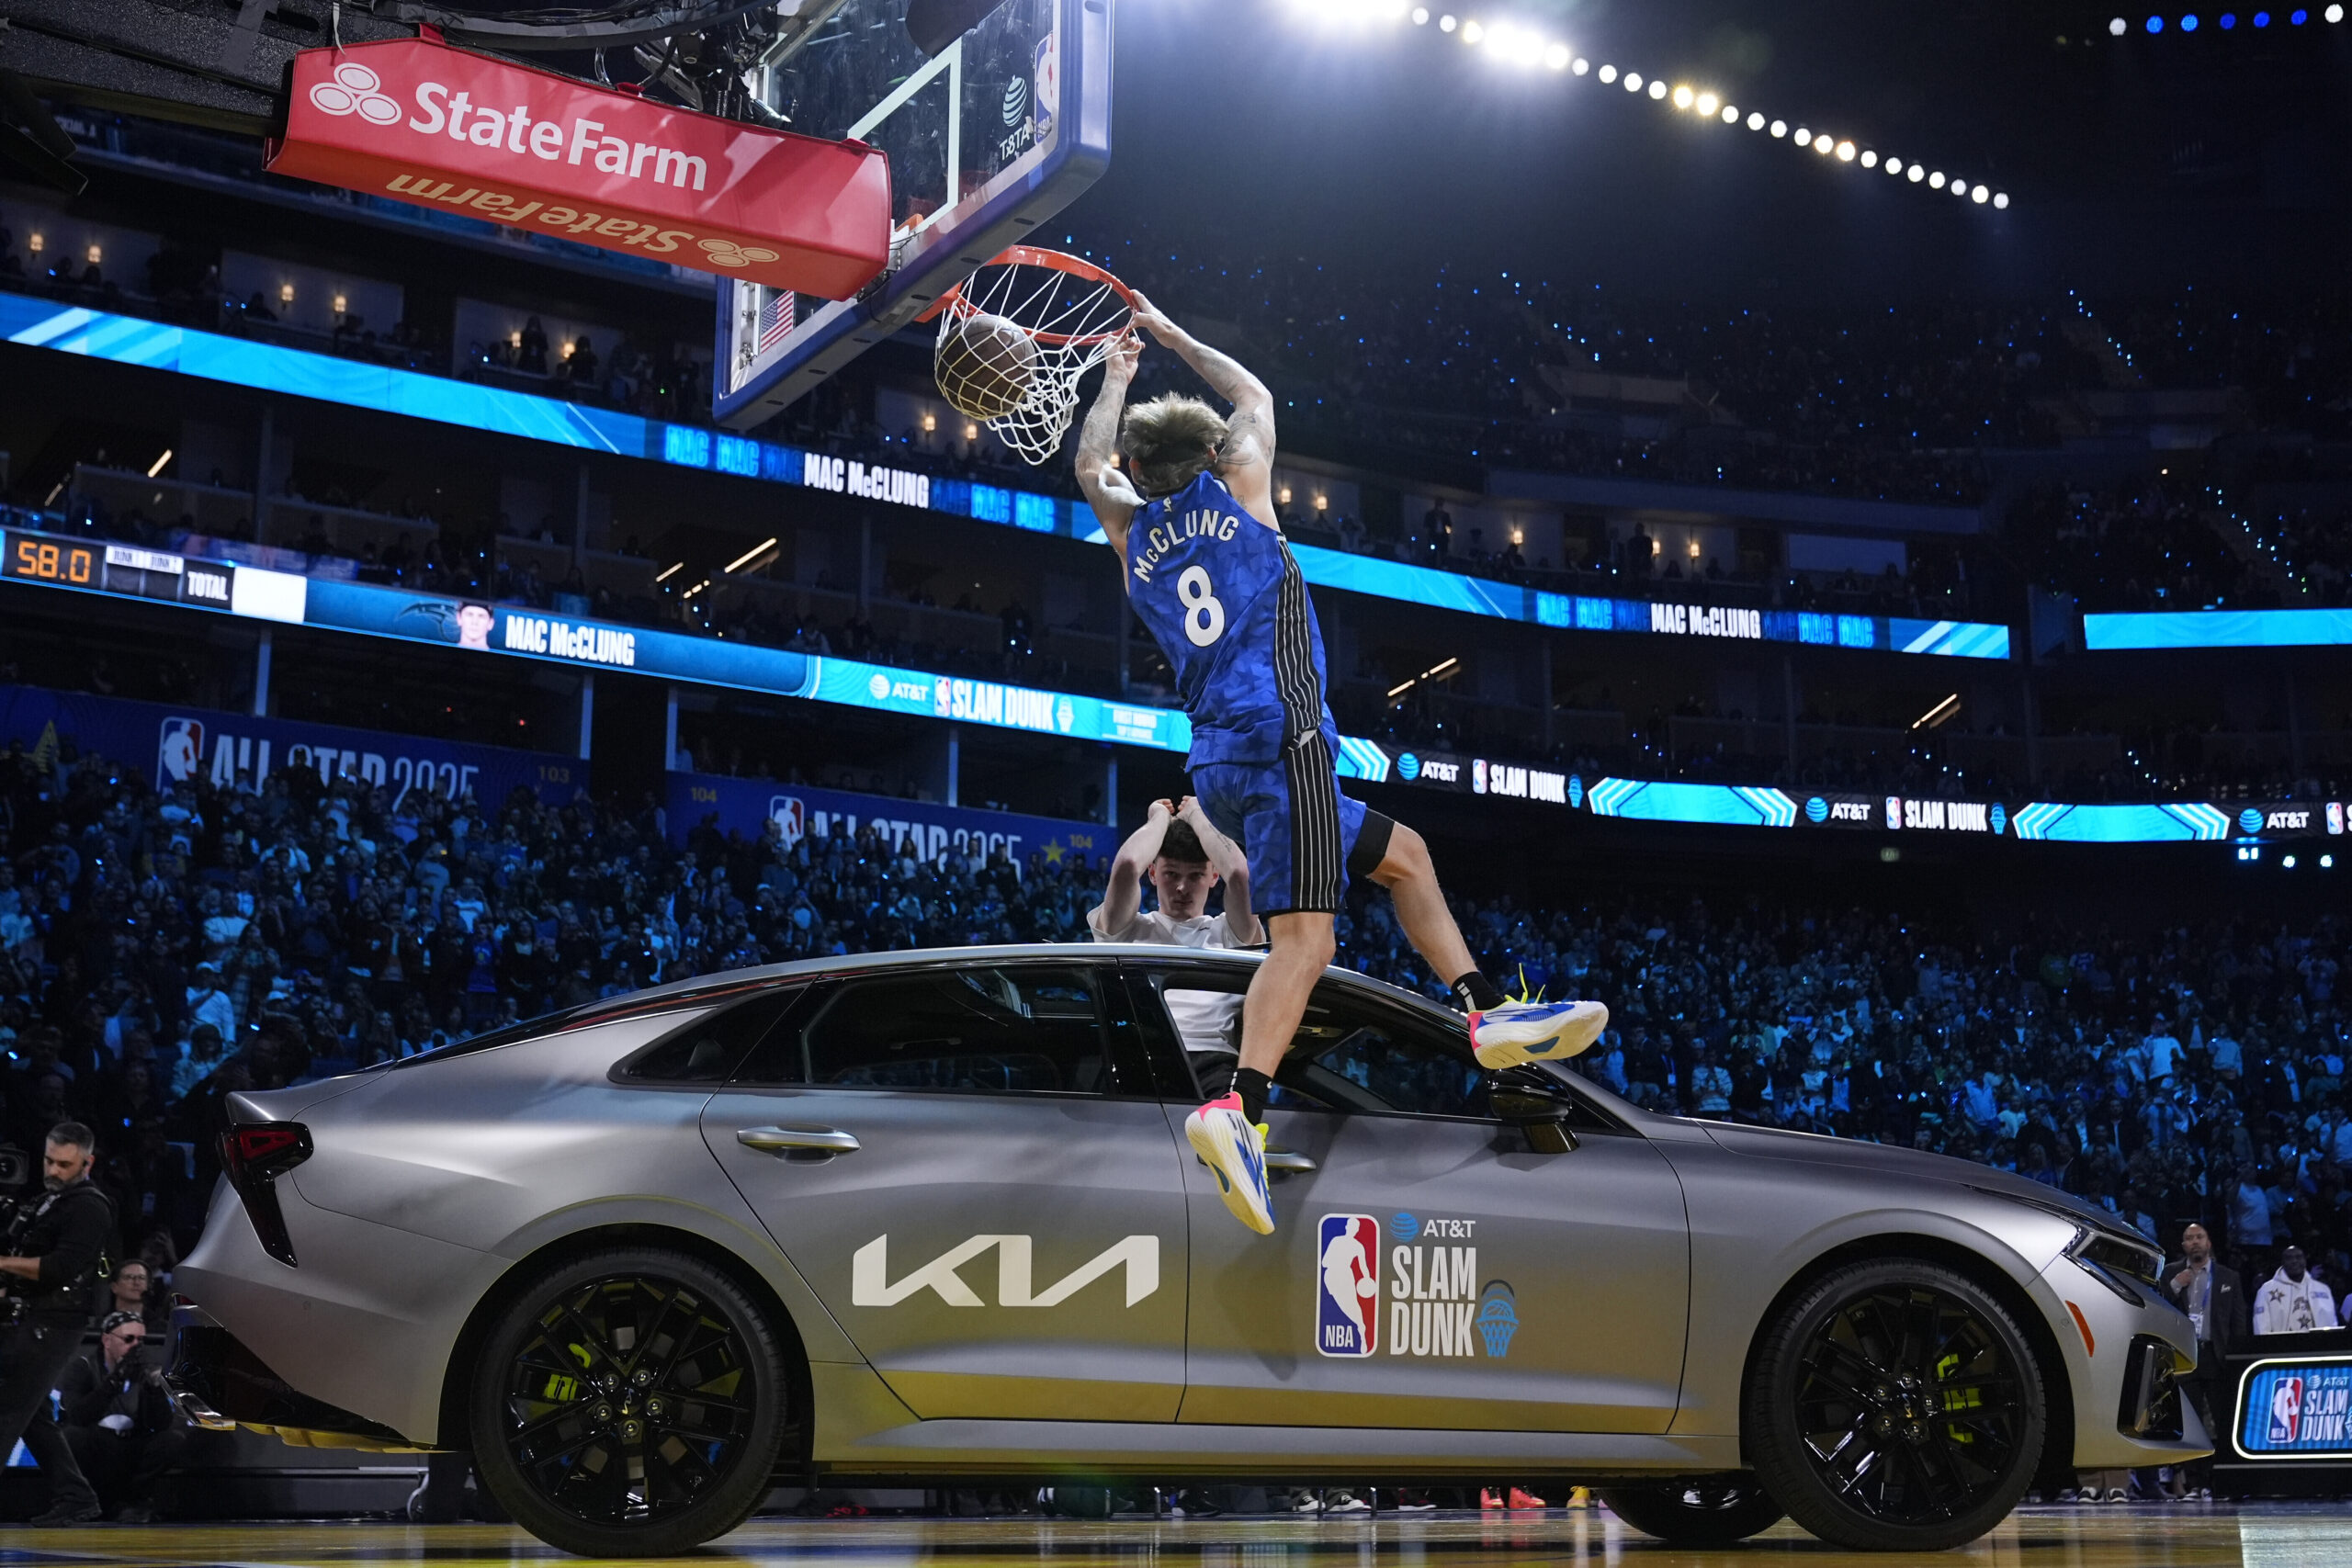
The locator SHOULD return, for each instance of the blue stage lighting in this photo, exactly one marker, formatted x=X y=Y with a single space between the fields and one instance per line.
x=2155 y=24
x=2188 y=23
x=2229 y=20
x=2261 y=19
x=2299 y=17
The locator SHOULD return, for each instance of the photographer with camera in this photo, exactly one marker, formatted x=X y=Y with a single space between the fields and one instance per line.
x=56 y=1245
x=118 y=1418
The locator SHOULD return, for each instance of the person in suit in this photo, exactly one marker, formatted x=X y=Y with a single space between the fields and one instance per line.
x=2215 y=1298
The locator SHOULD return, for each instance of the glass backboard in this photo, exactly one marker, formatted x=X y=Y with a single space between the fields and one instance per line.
x=987 y=140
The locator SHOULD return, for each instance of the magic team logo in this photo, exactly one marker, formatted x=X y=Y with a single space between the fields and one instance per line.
x=1347 y=1284
x=2286 y=1410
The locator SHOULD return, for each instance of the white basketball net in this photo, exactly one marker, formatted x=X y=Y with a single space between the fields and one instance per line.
x=1071 y=312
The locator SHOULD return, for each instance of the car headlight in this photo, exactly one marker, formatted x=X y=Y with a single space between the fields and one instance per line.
x=2116 y=1259
x=2113 y=1260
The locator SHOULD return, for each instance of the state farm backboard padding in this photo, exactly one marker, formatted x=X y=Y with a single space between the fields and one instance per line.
x=419 y=121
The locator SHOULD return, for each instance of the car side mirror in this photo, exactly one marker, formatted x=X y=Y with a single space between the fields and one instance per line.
x=1541 y=1118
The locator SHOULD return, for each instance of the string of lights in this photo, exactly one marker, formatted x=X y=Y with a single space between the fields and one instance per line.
x=1527 y=46
x=2189 y=21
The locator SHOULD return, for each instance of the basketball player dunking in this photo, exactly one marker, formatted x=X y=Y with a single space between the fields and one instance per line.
x=1206 y=567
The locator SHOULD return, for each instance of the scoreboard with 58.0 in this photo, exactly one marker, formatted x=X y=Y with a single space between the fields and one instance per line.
x=116 y=568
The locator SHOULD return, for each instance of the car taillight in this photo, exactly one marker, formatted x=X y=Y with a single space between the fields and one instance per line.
x=252 y=1156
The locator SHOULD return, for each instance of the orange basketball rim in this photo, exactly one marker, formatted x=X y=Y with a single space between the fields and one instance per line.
x=1068 y=310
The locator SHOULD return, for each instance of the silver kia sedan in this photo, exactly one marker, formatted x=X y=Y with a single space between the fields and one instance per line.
x=930 y=1218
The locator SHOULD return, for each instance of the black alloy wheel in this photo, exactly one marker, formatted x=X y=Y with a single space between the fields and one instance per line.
x=1896 y=1406
x=629 y=1403
x=1708 y=1510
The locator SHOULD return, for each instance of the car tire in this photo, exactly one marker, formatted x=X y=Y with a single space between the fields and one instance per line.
x=1895 y=1406
x=1706 y=1511
x=623 y=1435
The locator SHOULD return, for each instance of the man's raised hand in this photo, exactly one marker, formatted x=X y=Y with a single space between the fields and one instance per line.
x=1154 y=320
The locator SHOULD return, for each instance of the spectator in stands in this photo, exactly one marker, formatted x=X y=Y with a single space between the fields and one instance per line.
x=118 y=1418
x=2292 y=1300
x=128 y=1292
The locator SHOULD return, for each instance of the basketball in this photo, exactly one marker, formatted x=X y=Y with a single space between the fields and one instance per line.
x=986 y=366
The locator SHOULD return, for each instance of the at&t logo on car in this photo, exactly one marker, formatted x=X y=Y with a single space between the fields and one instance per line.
x=1346 y=1285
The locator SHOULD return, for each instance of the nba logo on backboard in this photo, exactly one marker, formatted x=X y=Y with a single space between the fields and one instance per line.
x=791 y=818
x=181 y=752
x=1346 y=1285
x=1048 y=83
x=2286 y=1410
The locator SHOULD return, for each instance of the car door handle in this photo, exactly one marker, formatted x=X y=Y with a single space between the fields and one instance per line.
x=780 y=1140
x=1280 y=1160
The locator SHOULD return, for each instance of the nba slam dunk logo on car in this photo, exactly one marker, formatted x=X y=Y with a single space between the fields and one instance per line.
x=1347 y=1284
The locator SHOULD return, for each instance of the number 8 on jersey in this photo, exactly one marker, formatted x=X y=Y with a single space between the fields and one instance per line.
x=1203 y=616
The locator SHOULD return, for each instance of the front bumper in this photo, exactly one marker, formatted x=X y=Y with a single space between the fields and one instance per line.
x=2125 y=1355
x=219 y=1385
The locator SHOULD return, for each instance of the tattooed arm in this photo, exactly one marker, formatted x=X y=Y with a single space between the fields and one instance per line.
x=1246 y=463
x=1115 y=501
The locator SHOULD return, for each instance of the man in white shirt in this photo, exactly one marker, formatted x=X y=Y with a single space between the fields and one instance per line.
x=1182 y=856
x=2292 y=1300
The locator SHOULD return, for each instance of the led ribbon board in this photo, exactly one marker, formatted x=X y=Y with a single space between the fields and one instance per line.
x=2219 y=628
x=94 y=567
x=515 y=631
x=127 y=340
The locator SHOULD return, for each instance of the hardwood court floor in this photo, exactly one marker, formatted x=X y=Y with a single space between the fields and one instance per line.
x=2258 y=1535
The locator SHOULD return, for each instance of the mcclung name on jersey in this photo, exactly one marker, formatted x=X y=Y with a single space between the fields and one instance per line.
x=1222 y=597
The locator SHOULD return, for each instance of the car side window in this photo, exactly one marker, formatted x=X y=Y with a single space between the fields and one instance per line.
x=1353 y=1054
x=706 y=1049
x=1014 y=1029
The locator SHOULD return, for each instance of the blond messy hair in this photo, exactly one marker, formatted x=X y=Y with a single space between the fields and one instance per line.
x=1170 y=442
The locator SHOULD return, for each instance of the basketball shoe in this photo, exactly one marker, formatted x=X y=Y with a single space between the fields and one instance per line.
x=1515 y=1033
x=1234 y=1153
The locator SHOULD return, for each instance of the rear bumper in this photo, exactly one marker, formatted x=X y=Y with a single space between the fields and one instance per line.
x=219 y=1384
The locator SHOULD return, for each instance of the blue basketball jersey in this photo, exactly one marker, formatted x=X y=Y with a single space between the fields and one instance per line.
x=1222 y=596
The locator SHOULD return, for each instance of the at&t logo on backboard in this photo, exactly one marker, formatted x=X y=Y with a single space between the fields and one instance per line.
x=2286 y=1410
x=180 y=752
x=1347 y=1284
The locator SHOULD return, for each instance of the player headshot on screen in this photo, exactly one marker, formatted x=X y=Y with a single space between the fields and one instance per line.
x=473 y=627
x=1210 y=575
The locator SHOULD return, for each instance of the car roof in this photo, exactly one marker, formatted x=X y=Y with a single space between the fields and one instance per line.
x=727 y=983
x=1062 y=952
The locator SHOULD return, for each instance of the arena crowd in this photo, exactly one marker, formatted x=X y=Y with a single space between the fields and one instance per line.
x=160 y=950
